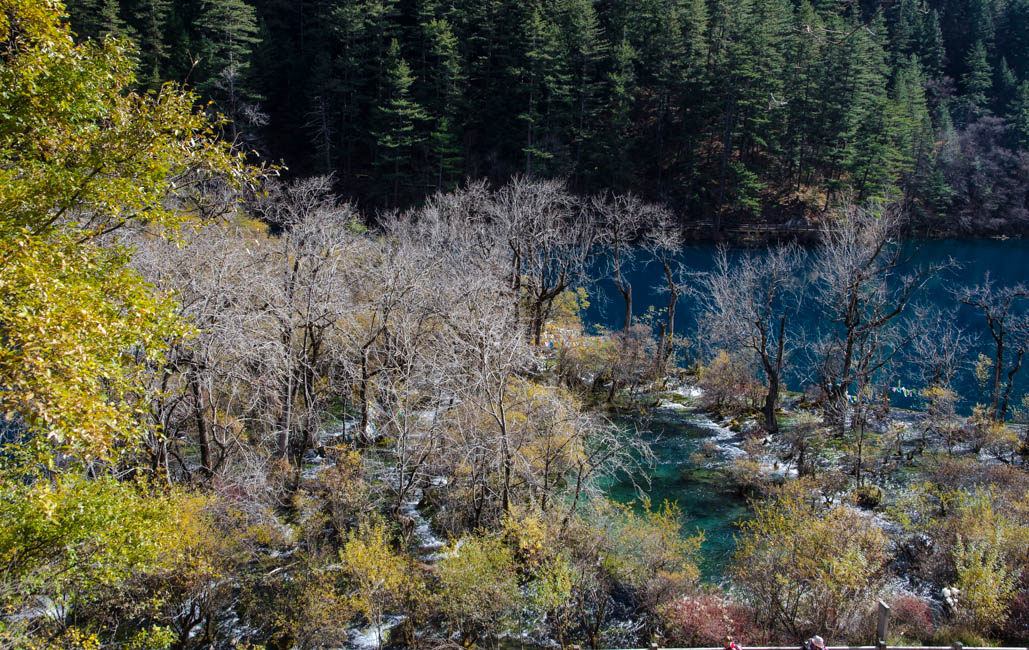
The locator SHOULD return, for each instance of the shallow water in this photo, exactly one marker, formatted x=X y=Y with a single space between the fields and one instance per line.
x=707 y=502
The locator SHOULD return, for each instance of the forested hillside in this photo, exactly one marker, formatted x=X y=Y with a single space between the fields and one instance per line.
x=726 y=110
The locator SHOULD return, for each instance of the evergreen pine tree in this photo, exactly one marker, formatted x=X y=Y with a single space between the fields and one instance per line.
x=1006 y=87
x=1014 y=36
x=981 y=26
x=976 y=82
x=585 y=50
x=906 y=30
x=545 y=85
x=803 y=59
x=228 y=33
x=95 y=18
x=614 y=163
x=750 y=63
x=445 y=77
x=914 y=134
x=694 y=114
x=1018 y=116
x=933 y=53
x=398 y=130
x=875 y=157
x=352 y=87
x=150 y=19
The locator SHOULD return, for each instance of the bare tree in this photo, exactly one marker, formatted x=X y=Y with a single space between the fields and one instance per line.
x=552 y=240
x=938 y=347
x=203 y=388
x=664 y=241
x=861 y=288
x=414 y=381
x=747 y=304
x=532 y=233
x=305 y=267
x=1004 y=309
x=623 y=219
x=938 y=351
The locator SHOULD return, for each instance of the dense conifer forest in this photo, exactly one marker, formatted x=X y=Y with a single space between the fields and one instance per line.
x=729 y=111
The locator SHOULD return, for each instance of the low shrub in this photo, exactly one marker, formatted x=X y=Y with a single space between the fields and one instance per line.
x=910 y=618
x=1016 y=626
x=869 y=496
x=729 y=385
x=704 y=620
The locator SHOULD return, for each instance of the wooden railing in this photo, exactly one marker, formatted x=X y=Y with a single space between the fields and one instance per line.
x=880 y=634
x=956 y=646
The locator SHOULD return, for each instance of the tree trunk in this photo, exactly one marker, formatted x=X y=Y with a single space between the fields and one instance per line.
x=363 y=396
x=1011 y=380
x=771 y=424
x=994 y=409
x=625 y=289
x=203 y=438
x=774 y=373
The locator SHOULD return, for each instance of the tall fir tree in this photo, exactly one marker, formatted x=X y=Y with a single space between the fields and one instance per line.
x=1018 y=116
x=905 y=30
x=875 y=157
x=545 y=85
x=445 y=78
x=585 y=50
x=95 y=18
x=614 y=165
x=150 y=19
x=1013 y=36
x=1005 y=87
x=931 y=48
x=227 y=35
x=913 y=135
x=352 y=88
x=803 y=59
x=976 y=83
x=398 y=123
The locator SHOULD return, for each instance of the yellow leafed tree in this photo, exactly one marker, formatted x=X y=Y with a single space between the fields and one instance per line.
x=82 y=156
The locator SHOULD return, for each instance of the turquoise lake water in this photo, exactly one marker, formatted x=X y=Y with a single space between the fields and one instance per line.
x=707 y=503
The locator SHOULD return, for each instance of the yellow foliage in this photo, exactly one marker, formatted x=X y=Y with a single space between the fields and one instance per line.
x=71 y=538
x=71 y=639
x=379 y=576
x=568 y=308
x=728 y=382
x=80 y=156
x=985 y=585
x=983 y=370
x=647 y=544
x=479 y=593
x=806 y=567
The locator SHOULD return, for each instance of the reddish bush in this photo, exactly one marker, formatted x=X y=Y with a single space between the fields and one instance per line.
x=705 y=620
x=1016 y=627
x=909 y=617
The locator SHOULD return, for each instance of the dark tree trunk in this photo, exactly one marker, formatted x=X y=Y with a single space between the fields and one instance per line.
x=203 y=438
x=774 y=373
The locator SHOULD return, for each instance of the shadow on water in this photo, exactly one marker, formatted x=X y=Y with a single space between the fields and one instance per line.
x=707 y=501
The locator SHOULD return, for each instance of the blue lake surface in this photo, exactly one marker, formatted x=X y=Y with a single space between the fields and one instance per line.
x=1006 y=262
